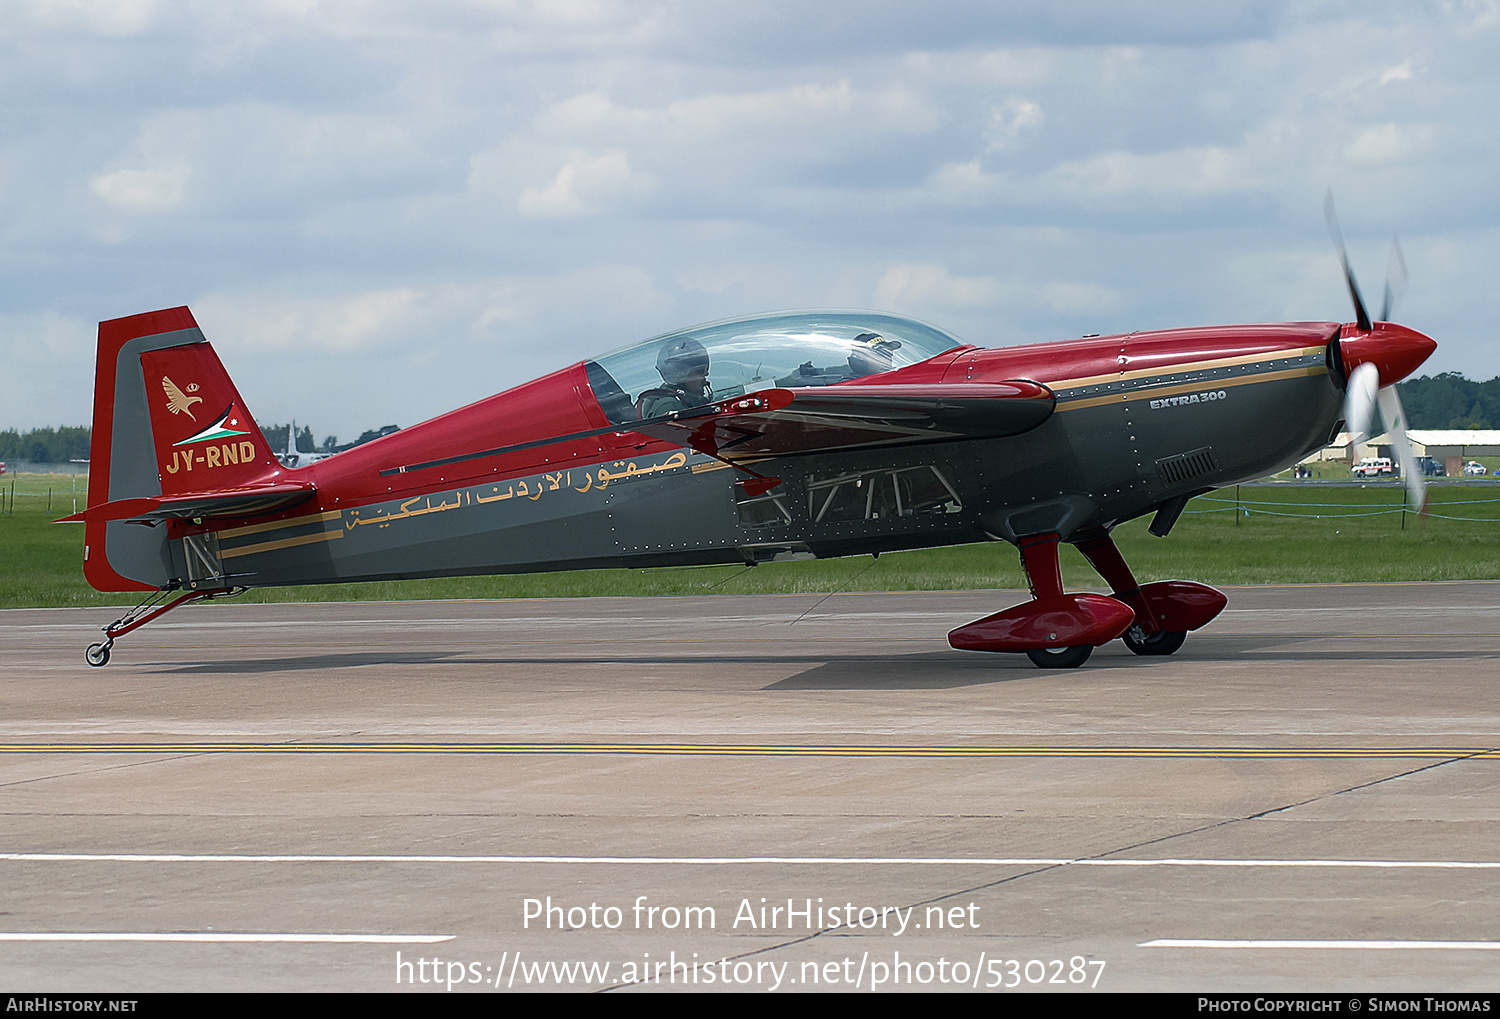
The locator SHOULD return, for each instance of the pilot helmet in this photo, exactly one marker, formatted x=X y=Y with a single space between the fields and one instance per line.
x=872 y=353
x=679 y=360
x=876 y=342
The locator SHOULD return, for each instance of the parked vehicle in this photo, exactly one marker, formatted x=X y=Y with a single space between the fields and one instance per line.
x=1475 y=469
x=1431 y=467
x=1375 y=467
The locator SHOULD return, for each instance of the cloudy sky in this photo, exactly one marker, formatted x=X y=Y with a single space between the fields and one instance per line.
x=379 y=210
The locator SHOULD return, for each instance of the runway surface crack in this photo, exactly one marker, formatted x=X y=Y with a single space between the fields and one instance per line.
x=1032 y=872
x=97 y=771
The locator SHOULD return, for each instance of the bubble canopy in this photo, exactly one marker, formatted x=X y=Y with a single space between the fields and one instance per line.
x=787 y=349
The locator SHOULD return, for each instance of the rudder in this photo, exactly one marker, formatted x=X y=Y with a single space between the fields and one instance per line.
x=167 y=421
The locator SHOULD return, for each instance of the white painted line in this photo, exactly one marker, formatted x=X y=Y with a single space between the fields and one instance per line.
x=1466 y=946
x=227 y=937
x=729 y=861
x=1377 y=864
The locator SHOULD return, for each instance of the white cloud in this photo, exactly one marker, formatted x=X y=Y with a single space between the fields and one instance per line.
x=1270 y=154
x=584 y=185
x=94 y=17
x=257 y=153
x=963 y=182
x=346 y=361
x=1157 y=178
x=1479 y=15
x=155 y=189
x=715 y=279
x=719 y=112
x=800 y=107
x=1209 y=169
x=1009 y=120
x=1401 y=72
x=390 y=320
x=1385 y=143
x=1008 y=68
x=766 y=125
x=343 y=324
x=1060 y=297
x=586 y=112
x=590 y=153
x=49 y=364
x=930 y=291
x=914 y=286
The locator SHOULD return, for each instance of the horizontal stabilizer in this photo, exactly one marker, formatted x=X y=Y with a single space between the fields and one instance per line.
x=232 y=503
x=788 y=421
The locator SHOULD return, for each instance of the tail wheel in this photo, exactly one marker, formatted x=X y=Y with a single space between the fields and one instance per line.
x=1162 y=642
x=97 y=655
x=1060 y=658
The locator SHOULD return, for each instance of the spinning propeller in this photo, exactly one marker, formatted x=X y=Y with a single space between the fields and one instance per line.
x=1374 y=357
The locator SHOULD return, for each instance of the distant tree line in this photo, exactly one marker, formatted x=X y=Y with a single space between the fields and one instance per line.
x=60 y=445
x=45 y=445
x=1451 y=401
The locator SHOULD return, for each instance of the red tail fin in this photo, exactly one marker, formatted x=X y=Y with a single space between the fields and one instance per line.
x=167 y=422
x=205 y=440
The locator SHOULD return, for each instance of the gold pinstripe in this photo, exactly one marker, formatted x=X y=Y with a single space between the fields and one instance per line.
x=1152 y=392
x=271 y=546
x=276 y=525
x=1177 y=369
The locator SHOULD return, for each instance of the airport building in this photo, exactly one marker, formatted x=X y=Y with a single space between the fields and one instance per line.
x=1451 y=447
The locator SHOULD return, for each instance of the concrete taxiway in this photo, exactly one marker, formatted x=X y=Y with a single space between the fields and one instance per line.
x=724 y=792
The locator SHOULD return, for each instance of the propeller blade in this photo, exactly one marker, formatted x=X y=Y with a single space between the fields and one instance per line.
x=1395 y=281
x=1395 y=423
x=1361 y=317
x=1360 y=401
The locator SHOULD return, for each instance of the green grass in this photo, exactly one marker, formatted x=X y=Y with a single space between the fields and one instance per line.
x=1358 y=536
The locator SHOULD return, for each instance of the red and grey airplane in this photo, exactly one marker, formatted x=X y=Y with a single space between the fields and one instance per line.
x=790 y=435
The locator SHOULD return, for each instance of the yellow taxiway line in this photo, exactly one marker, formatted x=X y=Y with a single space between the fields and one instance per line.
x=759 y=750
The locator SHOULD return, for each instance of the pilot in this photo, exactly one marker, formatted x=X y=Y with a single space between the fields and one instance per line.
x=683 y=365
x=872 y=354
x=869 y=354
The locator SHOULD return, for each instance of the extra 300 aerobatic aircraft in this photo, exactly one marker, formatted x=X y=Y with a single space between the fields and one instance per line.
x=762 y=438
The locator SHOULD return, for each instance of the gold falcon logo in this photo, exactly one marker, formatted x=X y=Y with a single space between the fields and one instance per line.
x=179 y=402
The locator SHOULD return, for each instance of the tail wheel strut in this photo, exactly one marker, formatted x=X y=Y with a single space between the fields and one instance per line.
x=153 y=607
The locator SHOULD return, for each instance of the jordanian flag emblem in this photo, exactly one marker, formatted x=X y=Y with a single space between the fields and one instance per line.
x=224 y=428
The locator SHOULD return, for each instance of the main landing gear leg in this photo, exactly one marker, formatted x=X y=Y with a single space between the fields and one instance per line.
x=1164 y=611
x=1055 y=630
x=1044 y=575
x=153 y=607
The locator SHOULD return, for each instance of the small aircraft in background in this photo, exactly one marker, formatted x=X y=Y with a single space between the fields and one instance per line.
x=292 y=458
x=789 y=435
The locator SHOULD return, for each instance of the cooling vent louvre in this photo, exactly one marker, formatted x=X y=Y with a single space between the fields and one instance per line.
x=1185 y=466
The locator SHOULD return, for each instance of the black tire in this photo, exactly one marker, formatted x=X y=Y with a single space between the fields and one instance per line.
x=1162 y=642
x=1060 y=658
x=97 y=655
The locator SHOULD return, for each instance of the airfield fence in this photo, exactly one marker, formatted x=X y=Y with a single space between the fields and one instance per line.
x=1246 y=507
x=48 y=499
